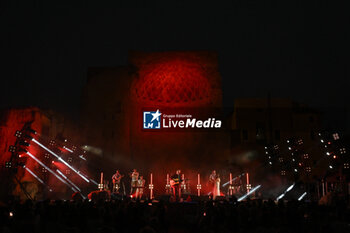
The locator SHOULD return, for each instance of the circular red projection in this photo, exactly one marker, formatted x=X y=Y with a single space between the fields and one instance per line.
x=174 y=82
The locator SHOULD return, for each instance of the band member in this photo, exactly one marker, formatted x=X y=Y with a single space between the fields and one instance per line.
x=175 y=184
x=116 y=178
x=216 y=189
x=140 y=186
x=134 y=178
x=212 y=177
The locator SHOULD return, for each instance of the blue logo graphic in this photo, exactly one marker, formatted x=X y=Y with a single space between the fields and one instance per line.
x=151 y=120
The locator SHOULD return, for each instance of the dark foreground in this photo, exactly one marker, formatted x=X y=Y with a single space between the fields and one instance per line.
x=128 y=216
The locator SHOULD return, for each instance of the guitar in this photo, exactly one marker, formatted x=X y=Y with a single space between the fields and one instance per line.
x=175 y=181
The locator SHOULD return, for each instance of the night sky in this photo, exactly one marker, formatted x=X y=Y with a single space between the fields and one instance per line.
x=288 y=51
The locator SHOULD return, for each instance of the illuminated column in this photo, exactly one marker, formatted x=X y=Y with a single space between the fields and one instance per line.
x=150 y=186
x=100 y=185
x=249 y=186
x=167 y=186
x=323 y=192
x=230 y=187
x=199 y=186
x=183 y=184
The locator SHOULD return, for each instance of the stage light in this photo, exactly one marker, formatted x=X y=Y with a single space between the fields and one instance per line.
x=334 y=156
x=302 y=196
x=290 y=187
x=249 y=193
x=346 y=165
x=31 y=130
x=336 y=136
x=328 y=153
x=8 y=164
x=342 y=150
x=68 y=180
x=322 y=140
x=295 y=170
x=66 y=148
x=60 y=159
x=289 y=148
x=11 y=214
x=330 y=166
x=52 y=172
x=12 y=149
x=284 y=193
x=34 y=175
x=24 y=143
x=18 y=134
x=239 y=176
x=280 y=196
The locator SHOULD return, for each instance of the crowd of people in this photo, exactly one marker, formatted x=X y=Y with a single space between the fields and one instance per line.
x=161 y=216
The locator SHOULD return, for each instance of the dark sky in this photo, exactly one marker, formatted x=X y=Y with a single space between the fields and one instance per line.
x=288 y=50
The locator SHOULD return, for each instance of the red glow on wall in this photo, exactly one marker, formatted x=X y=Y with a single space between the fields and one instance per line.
x=173 y=82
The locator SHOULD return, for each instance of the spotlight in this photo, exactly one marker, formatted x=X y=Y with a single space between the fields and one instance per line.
x=52 y=172
x=284 y=193
x=302 y=196
x=24 y=143
x=31 y=130
x=28 y=137
x=330 y=166
x=8 y=164
x=12 y=149
x=61 y=160
x=249 y=193
x=18 y=134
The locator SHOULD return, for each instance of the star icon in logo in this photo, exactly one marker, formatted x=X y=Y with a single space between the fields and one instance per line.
x=156 y=115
